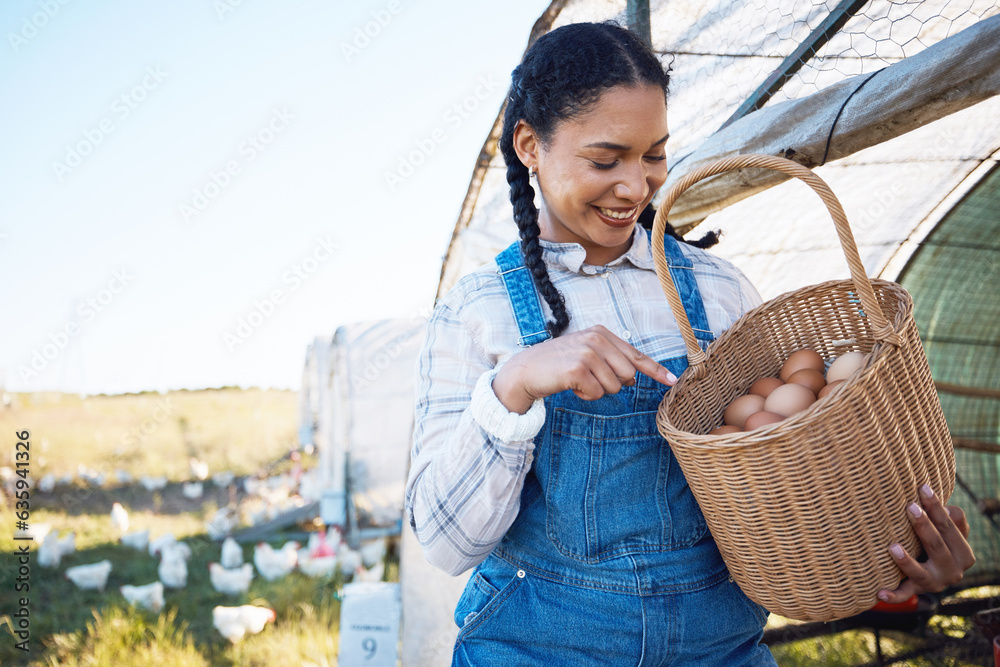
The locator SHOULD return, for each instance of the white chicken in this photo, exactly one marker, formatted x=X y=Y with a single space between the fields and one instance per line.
x=123 y=477
x=373 y=574
x=193 y=490
x=173 y=569
x=137 y=539
x=49 y=554
x=67 y=544
x=274 y=564
x=176 y=550
x=224 y=478
x=230 y=582
x=149 y=596
x=373 y=552
x=157 y=545
x=199 y=469
x=153 y=483
x=119 y=518
x=93 y=576
x=234 y=623
x=350 y=560
x=232 y=554
x=47 y=483
x=222 y=523
x=316 y=567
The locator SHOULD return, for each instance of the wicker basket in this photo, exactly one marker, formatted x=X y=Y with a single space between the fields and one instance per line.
x=804 y=510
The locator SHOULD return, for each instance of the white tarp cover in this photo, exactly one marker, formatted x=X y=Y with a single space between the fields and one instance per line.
x=367 y=413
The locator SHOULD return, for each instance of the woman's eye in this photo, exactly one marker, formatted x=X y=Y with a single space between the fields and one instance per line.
x=656 y=158
x=602 y=165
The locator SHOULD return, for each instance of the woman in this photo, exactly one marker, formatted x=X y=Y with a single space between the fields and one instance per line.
x=536 y=455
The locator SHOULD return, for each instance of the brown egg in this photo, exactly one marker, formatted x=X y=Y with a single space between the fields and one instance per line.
x=804 y=358
x=845 y=366
x=725 y=430
x=764 y=386
x=807 y=377
x=788 y=399
x=829 y=388
x=741 y=408
x=762 y=418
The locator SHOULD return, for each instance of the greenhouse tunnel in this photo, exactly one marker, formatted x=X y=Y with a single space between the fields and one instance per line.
x=953 y=279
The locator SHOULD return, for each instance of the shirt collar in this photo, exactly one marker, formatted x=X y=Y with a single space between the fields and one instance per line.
x=571 y=256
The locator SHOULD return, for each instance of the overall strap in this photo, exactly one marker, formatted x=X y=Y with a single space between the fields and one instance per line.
x=682 y=271
x=523 y=296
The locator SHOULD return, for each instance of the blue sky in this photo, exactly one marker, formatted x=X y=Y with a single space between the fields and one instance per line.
x=193 y=190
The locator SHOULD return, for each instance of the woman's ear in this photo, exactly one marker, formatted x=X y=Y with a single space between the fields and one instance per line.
x=526 y=144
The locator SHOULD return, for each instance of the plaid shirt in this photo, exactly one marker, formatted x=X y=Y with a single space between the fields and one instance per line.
x=464 y=485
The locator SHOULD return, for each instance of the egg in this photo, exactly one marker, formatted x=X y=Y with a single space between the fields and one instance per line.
x=741 y=408
x=788 y=399
x=845 y=366
x=725 y=430
x=804 y=358
x=807 y=377
x=829 y=388
x=765 y=386
x=762 y=418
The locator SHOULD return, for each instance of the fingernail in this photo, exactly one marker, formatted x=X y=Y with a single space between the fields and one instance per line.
x=897 y=551
x=883 y=596
x=915 y=510
x=671 y=377
x=926 y=491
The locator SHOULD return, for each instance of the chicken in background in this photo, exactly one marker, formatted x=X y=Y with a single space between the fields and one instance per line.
x=222 y=523
x=274 y=563
x=232 y=554
x=230 y=582
x=49 y=554
x=149 y=596
x=199 y=469
x=234 y=623
x=119 y=518
x=173 y=569
x=153 y=483
x=193 y=490
x=157 y=545
x=373 y=552
x=93 y=576
x=137 y=539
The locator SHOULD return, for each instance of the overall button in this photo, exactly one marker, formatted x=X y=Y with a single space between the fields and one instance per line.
x=520 y=574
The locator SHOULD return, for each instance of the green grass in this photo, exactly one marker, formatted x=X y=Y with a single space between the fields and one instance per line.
x=242 y=431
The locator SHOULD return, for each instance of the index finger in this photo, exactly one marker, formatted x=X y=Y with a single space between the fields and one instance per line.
x=643 y=362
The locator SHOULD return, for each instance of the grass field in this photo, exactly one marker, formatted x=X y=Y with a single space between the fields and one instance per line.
x=245 y=432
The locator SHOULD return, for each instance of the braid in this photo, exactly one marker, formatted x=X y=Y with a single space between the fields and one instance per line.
x=522 y=197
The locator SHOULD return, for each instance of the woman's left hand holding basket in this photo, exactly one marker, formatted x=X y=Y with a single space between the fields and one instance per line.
x=942 y=531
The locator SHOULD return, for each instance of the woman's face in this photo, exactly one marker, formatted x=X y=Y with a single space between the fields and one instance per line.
x=599 y=170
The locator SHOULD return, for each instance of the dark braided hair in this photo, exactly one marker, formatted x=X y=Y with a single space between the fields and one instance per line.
x=563 y=73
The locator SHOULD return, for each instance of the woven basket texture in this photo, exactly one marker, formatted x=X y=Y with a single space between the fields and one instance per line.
x=804 y=510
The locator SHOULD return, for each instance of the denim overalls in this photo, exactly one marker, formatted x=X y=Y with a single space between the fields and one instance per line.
x=609 y=561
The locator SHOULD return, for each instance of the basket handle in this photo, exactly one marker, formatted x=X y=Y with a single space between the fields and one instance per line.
x=696 y=358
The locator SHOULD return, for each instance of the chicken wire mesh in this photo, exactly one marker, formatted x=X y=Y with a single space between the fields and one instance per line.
x=722 y=56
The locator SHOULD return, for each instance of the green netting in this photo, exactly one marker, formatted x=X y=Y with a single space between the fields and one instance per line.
x=954 y=280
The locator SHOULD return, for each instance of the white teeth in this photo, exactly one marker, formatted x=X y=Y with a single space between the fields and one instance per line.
x=616 y=215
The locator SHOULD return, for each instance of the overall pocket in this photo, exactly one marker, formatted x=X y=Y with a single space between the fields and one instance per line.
x=613 y=487
x=482 y=599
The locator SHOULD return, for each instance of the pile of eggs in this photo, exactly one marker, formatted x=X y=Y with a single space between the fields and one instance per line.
x=801 y=383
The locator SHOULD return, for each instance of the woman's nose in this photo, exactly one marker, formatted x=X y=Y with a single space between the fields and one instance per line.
x=632 y=185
